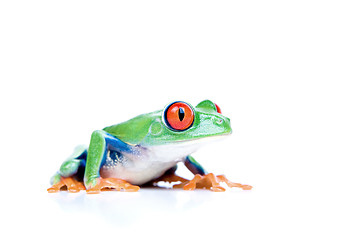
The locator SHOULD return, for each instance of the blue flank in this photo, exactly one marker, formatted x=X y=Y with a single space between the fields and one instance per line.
x=115 y=144
x=116 y=147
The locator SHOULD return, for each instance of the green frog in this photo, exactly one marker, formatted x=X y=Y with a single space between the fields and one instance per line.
x=146 y=149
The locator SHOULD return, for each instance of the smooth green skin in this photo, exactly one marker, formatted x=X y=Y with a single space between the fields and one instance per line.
x=69 y=166
x=148 y=130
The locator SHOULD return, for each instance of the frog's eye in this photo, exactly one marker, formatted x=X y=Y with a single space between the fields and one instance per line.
x=218 y=108
x=179 y=116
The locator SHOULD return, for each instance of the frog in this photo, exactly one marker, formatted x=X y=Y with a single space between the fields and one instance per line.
x=146 y=150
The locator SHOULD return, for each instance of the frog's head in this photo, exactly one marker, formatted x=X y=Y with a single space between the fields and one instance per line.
x=180 y=122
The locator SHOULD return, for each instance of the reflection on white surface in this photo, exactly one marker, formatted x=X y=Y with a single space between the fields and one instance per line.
x=279 y=212
x=123 y=208
x=171 y=211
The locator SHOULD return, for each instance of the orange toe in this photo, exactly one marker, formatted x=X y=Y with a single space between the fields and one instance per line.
x=222 y=178
x=69 y=184
x=207 y=181
x=212 y=182
x=112 y=183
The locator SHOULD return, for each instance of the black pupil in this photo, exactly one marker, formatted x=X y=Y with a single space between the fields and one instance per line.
x=181 y=113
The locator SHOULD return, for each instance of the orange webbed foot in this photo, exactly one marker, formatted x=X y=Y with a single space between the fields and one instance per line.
x=222 y=178
x=69 y=184
x=112 y=183
x=171 y=178
x=207 y=181
x=212 y=182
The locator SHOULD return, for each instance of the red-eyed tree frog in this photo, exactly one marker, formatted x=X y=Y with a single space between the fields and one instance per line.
x=147 y=149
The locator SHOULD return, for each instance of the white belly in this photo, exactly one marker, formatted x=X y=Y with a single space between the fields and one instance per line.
x=137 y=172
x=146 y=165
x=149 y=163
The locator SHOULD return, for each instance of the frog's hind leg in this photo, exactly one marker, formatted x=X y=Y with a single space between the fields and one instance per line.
x=71 y=172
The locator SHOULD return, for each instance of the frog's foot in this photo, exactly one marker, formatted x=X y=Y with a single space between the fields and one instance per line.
x=68 y=184
x=208 y=181
x=222 y=178
x=112 y=183
x=212 y=182
x=172 y=179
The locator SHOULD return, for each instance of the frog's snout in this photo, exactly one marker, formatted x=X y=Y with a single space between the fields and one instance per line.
x=224 y=123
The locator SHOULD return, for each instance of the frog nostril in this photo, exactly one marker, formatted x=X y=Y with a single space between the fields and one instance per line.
x=218 y=121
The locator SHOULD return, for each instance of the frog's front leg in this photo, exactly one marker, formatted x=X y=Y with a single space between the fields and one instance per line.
x=100 y=143
x=207 y=180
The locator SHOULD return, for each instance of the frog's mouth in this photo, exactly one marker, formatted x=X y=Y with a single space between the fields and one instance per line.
x=203 y=140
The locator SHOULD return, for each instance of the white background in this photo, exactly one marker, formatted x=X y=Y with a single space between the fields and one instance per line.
x=286 y=73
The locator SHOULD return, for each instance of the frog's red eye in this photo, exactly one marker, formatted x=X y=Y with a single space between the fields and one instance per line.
x=179 y=116
x=218 y=108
